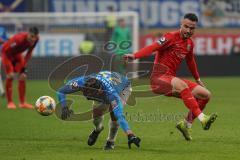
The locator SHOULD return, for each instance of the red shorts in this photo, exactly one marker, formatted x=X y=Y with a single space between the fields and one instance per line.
x=162 y=84
x=13 y=64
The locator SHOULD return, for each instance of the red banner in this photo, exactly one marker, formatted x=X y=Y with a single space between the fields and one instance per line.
x=206 y=44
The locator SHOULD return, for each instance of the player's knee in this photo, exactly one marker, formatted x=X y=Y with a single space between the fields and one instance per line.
x=22 y=77
x=10 y=76
x=207 y=94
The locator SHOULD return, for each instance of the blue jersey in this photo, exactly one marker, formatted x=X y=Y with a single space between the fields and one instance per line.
x=3 y=34
x=113 y=84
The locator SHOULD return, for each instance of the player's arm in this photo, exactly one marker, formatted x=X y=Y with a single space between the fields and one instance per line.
x=191 y=63
x=69 y=88
x=162 y=43
x=29 y=53
x=119 y=114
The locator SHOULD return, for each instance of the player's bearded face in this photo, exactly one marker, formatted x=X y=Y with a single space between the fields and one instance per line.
x=187 y=28
x=32 y=37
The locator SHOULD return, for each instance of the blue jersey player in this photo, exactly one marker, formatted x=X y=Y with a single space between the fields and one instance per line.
x=3 y=38
x=108 y=90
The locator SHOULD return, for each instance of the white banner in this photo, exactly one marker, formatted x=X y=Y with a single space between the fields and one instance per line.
x=58 y=45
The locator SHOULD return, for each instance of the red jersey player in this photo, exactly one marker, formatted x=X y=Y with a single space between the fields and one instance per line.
x=14 y=62
x=171 y=49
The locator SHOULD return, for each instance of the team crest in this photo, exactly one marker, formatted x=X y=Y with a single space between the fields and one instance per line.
x=162 y=40
x=188 y=47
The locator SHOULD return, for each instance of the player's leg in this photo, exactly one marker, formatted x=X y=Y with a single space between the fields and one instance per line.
x=202 y=96
x=112 y=134
x=22 y=76
x=2 y=92
x=99 y=110
x=9 y=70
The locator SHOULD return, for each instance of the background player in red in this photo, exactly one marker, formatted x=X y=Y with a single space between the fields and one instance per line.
x=171 y=49
x=14 y=62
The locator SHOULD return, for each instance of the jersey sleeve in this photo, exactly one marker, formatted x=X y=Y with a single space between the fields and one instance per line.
x=29 y=53
x=70 y=87
x=191 y=63
x=118 y=112
x=162 y=43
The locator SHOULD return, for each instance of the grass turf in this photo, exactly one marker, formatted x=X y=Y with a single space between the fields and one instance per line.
x=26 y=135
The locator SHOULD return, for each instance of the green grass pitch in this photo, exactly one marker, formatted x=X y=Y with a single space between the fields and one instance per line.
x=26 y=135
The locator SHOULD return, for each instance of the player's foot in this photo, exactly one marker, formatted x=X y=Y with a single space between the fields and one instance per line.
x=93 y=136
x=25 y=105
x=186 y=132
x=208 y=120
x=109 y=145
x=11 y=105
x=133 y=139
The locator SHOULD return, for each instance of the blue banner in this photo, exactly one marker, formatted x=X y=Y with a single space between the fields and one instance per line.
x=12 y=6
x=161 y=13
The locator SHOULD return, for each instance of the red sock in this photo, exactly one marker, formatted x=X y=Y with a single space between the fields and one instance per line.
x=9 y=82
x=190 y=102
x=202 y=103
x=21 y=90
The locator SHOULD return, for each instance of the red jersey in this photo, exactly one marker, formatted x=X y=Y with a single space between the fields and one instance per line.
x=170 y=49
x=18 y=44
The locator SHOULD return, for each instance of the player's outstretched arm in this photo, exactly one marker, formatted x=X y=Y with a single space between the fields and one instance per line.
x=61 y=94
x=119 y=114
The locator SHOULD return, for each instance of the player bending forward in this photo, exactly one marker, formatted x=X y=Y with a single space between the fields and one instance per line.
x=171 y=49
x=13 y=62
x=108 y=90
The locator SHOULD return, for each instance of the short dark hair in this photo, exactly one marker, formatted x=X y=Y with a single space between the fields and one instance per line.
x=34 y=30
x=93 y=89
x=191 y=16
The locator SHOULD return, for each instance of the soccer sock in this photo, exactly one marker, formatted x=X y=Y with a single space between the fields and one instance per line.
x=97 y=121
x=202 y=104
x=113 y=130
x=9 y=89
x=201 y=117
x=21 y=90
x=190 y=102
x=1 y=84
x=188 y=124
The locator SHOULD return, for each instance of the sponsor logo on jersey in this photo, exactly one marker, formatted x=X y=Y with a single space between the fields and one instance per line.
x=74 y=85
x=180 y=55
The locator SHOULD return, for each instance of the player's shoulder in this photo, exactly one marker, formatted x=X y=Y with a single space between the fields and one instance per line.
x=168 y=36
x=20 y=35
x=172 y=34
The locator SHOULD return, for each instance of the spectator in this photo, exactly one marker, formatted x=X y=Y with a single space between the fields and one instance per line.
x=122 y=37
x=87 y=46
x=110 y=23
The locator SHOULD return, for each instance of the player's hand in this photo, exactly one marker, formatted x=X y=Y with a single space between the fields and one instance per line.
x=200 y=83
x=66 y=112
x=133 y=139
x=128 y=57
